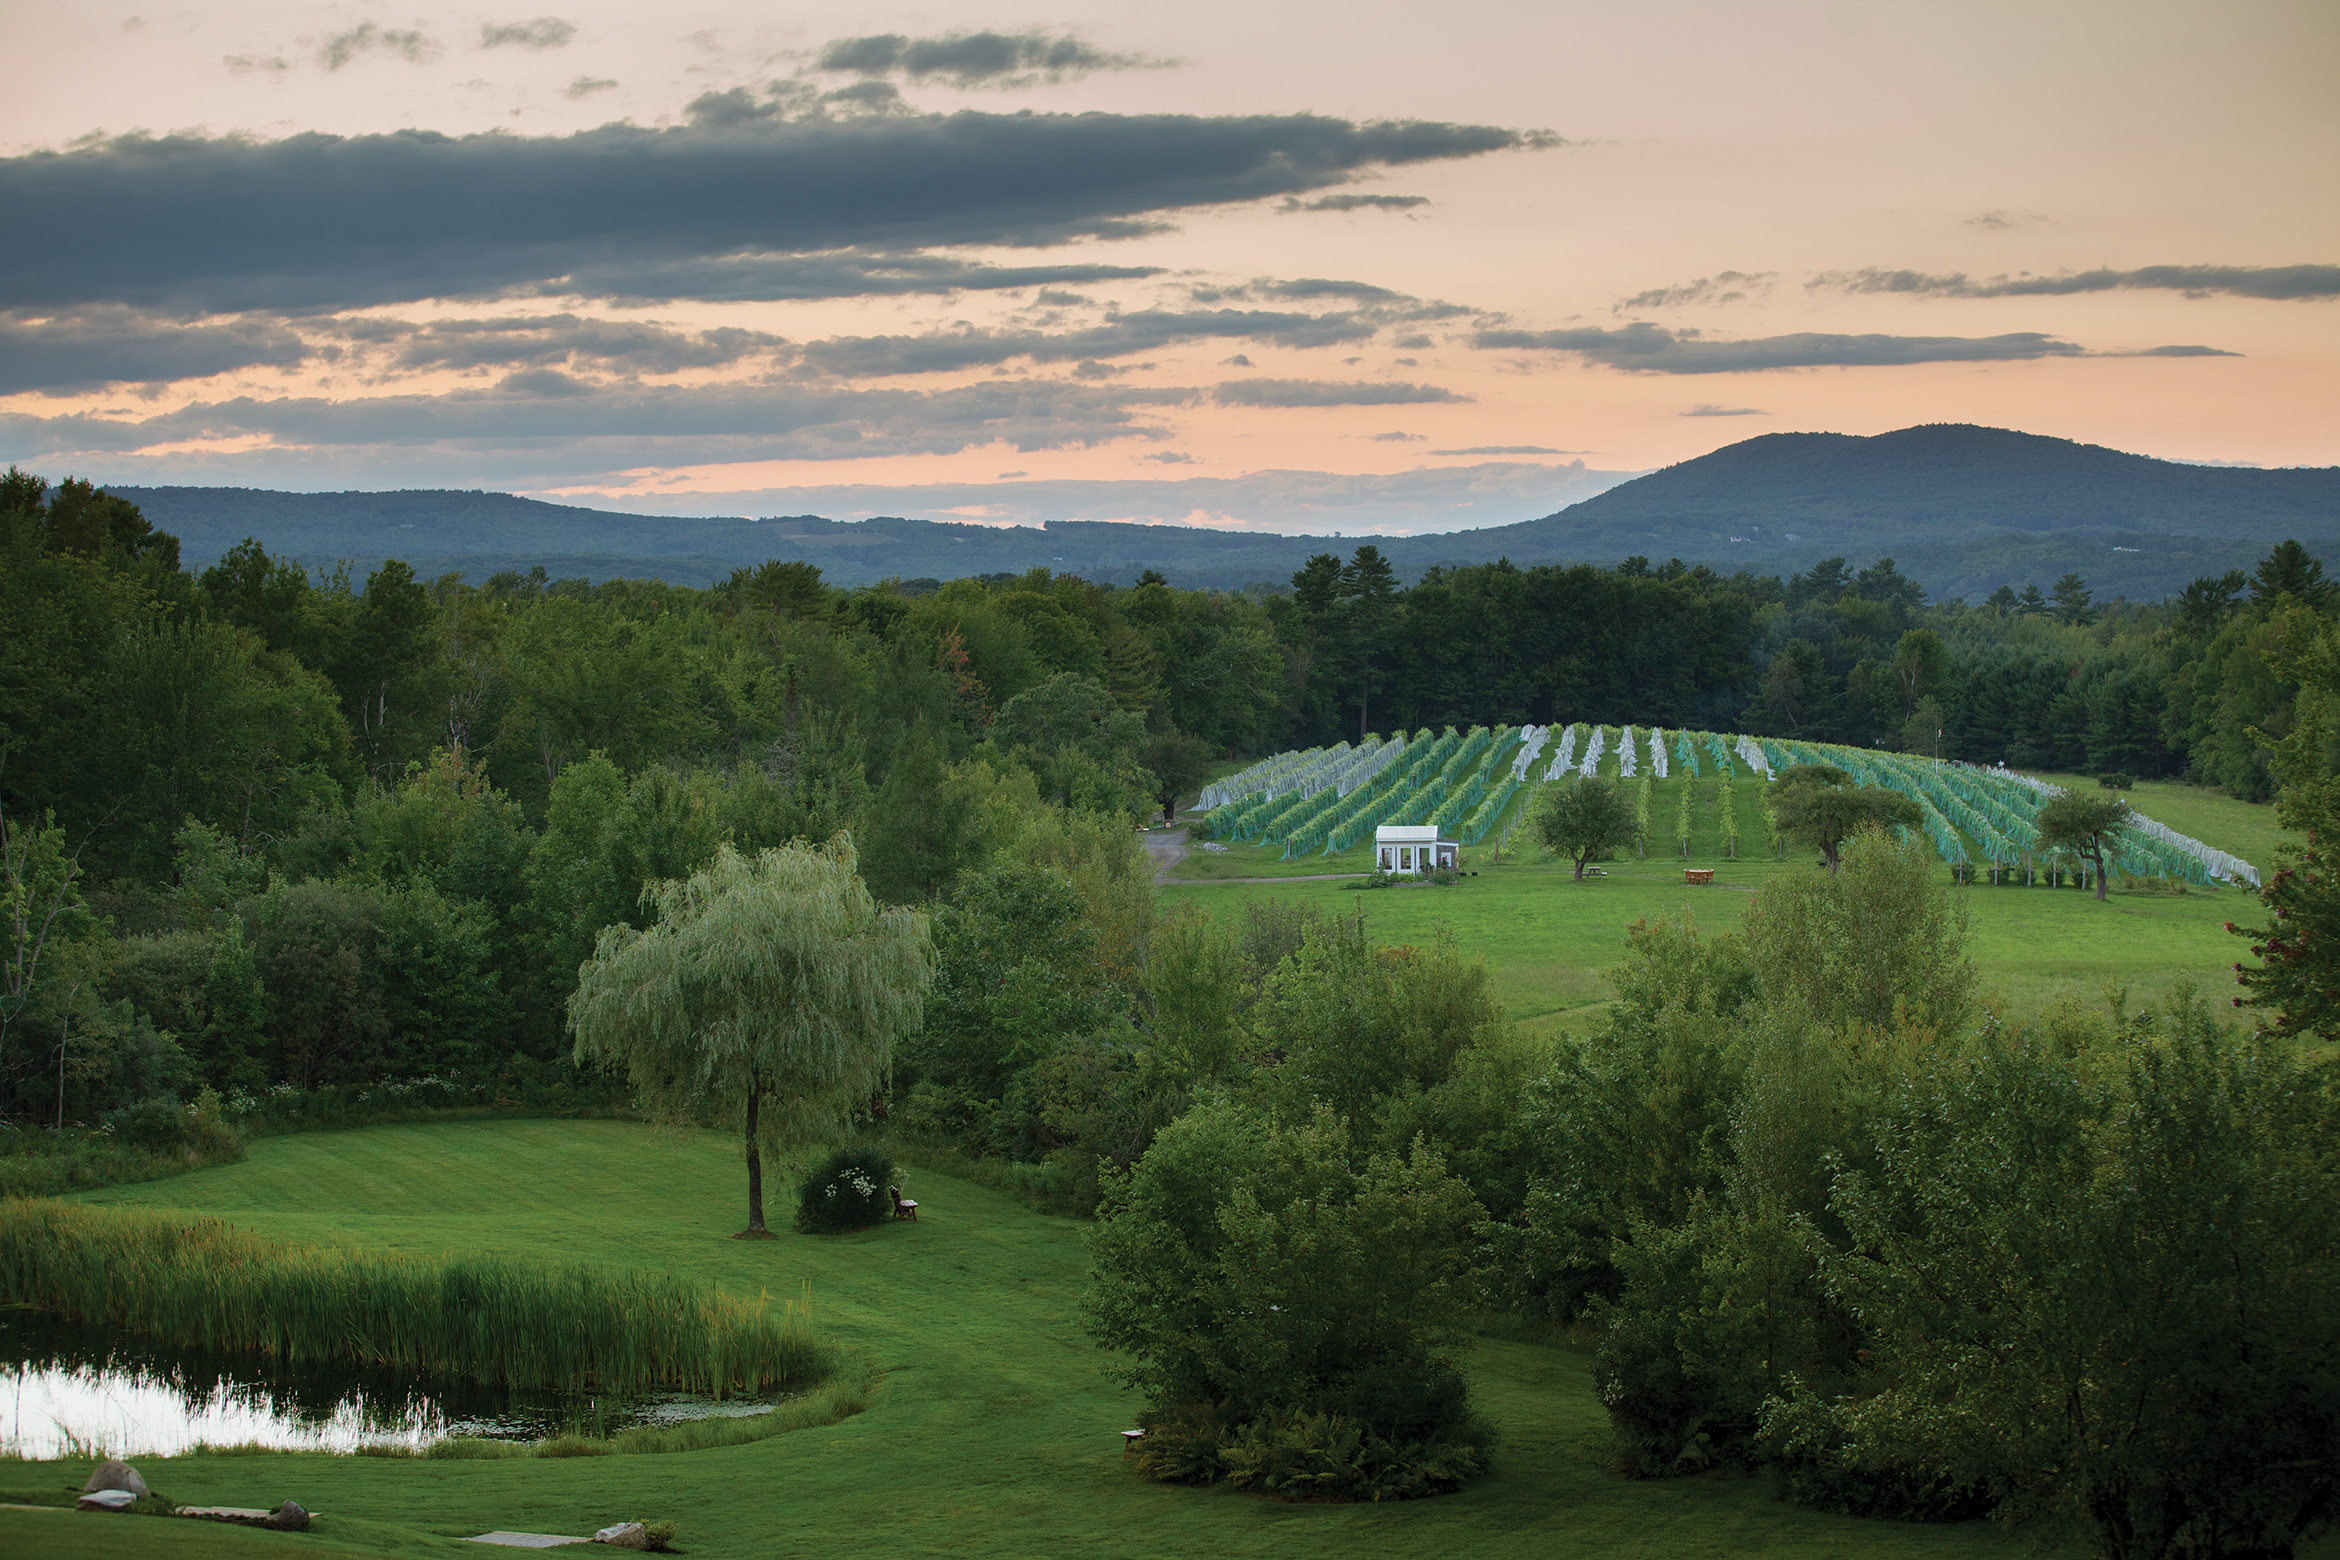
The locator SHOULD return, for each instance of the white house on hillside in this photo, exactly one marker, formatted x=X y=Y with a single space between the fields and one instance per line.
x=1409 y=847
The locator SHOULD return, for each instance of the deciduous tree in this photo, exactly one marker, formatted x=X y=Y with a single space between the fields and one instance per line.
x=1582 y=816
x=1819 y=805
x=770 y=990
x=2084 y=824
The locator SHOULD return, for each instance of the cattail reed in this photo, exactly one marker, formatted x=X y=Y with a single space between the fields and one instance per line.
x=204 y=1284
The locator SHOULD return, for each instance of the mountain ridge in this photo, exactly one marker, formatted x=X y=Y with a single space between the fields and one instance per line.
x=1976 y=507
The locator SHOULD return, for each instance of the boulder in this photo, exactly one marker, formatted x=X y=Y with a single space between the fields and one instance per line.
x=105 y=1500
x=292 y=1517
x=115 y=1474
x=626 y=1535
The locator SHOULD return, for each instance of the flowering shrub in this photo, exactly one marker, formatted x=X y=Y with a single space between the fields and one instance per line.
x=846 y=1191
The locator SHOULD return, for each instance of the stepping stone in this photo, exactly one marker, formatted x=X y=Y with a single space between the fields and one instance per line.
x=525 y=1540
x=105 y=1500
x=250 y=1516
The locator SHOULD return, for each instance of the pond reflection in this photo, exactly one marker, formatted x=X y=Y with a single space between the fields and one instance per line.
x=67 y=1389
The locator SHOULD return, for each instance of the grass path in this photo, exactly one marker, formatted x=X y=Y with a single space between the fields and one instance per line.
x=994 y=1432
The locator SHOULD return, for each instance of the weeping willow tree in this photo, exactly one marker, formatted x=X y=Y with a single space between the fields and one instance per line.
x=772 y=990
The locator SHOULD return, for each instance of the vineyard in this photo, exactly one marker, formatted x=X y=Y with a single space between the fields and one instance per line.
x=1483 y=783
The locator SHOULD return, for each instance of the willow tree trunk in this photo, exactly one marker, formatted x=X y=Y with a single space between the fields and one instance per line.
x=755 y=1157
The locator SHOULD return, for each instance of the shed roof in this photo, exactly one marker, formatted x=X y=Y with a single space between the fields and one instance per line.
x=1406 y=834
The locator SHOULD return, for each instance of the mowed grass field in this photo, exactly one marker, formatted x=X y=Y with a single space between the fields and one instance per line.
x=1547 y=939
x=994 y=1432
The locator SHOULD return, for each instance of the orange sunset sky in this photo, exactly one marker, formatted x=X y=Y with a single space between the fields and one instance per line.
x=1298 y=267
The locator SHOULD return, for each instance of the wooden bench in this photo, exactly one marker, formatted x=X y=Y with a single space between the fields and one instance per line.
x=1698 y=874
x=904 y=1208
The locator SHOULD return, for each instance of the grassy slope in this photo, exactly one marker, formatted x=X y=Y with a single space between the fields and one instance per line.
x=1547 y=938
x=993 y=1434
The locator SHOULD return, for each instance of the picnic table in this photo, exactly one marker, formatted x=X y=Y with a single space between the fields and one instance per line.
x=1698 y=874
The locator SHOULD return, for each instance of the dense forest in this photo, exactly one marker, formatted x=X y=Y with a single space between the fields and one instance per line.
x=322 y=831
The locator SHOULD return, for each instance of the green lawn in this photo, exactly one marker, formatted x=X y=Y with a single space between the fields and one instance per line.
x=994 y=1432
x=1547 y=939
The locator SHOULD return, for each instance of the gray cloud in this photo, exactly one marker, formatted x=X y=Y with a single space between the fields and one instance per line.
x=1649 y=349
x=113 y=345
x=585 y=86
x=1147 y=330
x=975 y=59
x=2177 y=351
x=2001 y=221
x=321 y=222
x=1400 y=438
x=1169 y=458
x=411 y=45
x=1325 y=392
x=1720 y=288
x=545 y=32
x=848 y=274
x=542 y=340
x=542 y=426
x=1303 y=288
x=1709 y=409
x=246 y=64
x=1507 y=449
x=2282 y=282
x=1355 y=203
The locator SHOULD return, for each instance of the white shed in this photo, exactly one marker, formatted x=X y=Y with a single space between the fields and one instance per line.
x=1410 y=847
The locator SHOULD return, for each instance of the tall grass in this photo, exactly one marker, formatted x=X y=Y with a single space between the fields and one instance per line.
x=205 y=1284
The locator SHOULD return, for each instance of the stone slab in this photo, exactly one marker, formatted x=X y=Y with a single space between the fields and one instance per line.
x=525 y=1540
x=251 y=1515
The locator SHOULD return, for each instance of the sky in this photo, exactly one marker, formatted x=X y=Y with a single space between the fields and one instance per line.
x=1360 y=268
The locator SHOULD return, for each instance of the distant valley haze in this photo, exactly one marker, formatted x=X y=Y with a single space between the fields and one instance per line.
x=1267 y=270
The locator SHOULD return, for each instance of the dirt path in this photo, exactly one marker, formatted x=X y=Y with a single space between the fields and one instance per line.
x=1168 y=849
x=1313 y=877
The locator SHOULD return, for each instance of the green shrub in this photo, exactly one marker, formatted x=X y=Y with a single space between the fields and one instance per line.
x=2116 y=781
x=1822 y=1464
x=1331 y=1456
x=1182 y=1443
x=1307 y=1299
x=157 y=1125
x=847 y=1191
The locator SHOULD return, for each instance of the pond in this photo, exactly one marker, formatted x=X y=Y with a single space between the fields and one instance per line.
x=68 y=1389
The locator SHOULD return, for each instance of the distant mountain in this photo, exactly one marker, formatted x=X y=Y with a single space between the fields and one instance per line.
x=1961 y=508
x=1943 y=482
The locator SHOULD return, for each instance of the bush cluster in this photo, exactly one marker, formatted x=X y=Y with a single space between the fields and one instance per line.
x=1289 y=1307
x=1929 y=1269
x=846 y=1191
